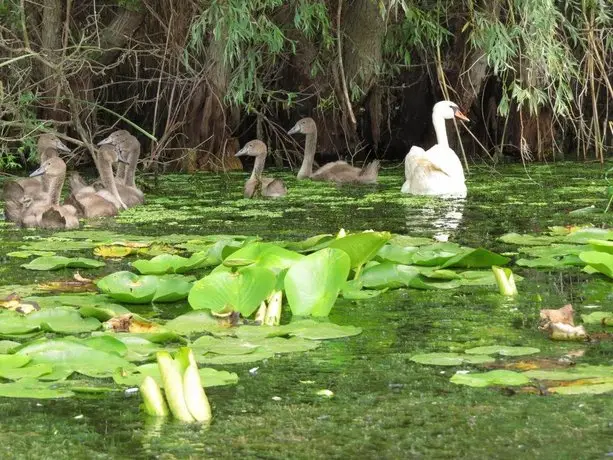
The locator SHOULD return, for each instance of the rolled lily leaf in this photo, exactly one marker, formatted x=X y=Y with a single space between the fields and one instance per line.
x=195 y=397
x=273 y=312
x=173 y=386
x=153 y=399
x=505 y=281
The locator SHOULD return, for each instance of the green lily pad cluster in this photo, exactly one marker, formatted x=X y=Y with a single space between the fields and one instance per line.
x=589 y=379
x=59 y=262
x=587 y=247
x=313 y=272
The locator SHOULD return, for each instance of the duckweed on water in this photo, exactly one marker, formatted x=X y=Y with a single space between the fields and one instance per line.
x=400 y=406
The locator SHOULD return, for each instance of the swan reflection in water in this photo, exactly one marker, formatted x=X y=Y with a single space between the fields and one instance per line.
x=440 y=218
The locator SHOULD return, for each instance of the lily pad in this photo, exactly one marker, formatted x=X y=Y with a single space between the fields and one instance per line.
x=598 y=317
x=193 y=322
x=596 y=389
x=131 y=288
x=33 y=389
x=309 y=243
x=63 y=320
x=397 y=254
x=73 y=356
x=291 y=345
x=169 y=263
x=476 y=258
x=574 y=373
x=450 y=359
x=58 y=262
x=491 y=378
x=528 y=240
x=353 y=291
x=388 y=275
x=172 y=288
x=502 y=350
x=27 y=254
x=265 y=255
x=598 y=245
x=313 y=283
x=314 y=330
x=28 y=372
x=242 y=291
x=215 y=359
x=361 y=247
x=550 y=262
x=601 y=261
x=7 y=346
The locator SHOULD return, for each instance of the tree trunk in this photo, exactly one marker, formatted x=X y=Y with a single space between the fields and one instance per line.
x=209 y=132
x=51 y=42
x=363 y=34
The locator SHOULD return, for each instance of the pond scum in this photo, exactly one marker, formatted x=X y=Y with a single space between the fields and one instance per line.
x=105 y=301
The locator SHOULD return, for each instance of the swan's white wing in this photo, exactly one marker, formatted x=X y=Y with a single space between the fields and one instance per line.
x=445 y=160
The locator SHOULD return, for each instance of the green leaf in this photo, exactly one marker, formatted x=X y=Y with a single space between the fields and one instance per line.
x=598 y=317
x=242 y=291
x=388 y=275
x=435 y=254
x=33 y=389
x=29 y=372
x=450 y=359
x=313 y=284
x=476 y=258
x=601 y=261
x=595 y=389
x=528 y=240
x=212 y=358
x=26 y=254
x=316 y=330
x=172 y=288
x=491 y=378
x=7 y=346
x=550 y=262
x=578 y=372
x=71 y=355
x=291 y=345
x=63 y=320
x=13 y=361
x=192 y=322
x=309 y=243
x=15 y=324
x=361 y=247
x=170 y=263
x=397 y=254
x=502 y=350
x=58 y=262
x=353 y=291
x=602 y=245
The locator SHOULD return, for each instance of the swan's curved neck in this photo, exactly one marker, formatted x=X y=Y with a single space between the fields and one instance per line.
x=120 y=173
x=106 y=175
x=130 y=169
x=55 y=188
x=258 y=167
x=441 y=131
x=310 y=145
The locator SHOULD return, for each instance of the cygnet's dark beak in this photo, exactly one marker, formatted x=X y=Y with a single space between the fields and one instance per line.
x=241 y=152
x=121 y=158
x=39 y=172
x=294 y=130
x=60 y=146
x=106 y=140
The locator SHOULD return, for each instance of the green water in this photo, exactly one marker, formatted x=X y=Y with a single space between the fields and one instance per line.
x=384 y=405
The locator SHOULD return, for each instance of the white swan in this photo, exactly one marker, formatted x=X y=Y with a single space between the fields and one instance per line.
x=437 y=171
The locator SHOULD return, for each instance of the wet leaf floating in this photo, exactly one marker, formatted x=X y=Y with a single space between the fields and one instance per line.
x=29 y=388
x=353 y=291
x=131 y=288
x=604 y=318
x=313 y=284
x=242 y=291
x=600 y=261
x=579 y=372
x=476 y=258
x=265 y=255
x=58 y=262
x=502 y=350
x=596 y=389
x=197 y=321
x=63 y=320
x=316 y=330
x=26 y=254
x=602 y=245
x=310 y=243
x=70 y=355
x=450 y=359
x=114 y=252
x=361 y=247
x=493 y=378
x=397 y=254
x=169 y=263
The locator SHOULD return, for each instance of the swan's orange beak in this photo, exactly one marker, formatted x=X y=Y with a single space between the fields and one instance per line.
x=461 y=116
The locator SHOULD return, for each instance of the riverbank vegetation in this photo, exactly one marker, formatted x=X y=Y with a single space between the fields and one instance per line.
x=195 y=79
